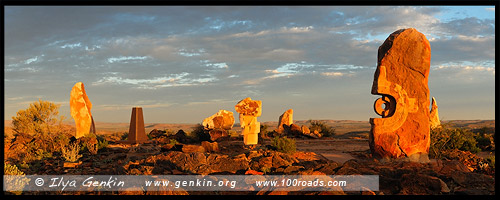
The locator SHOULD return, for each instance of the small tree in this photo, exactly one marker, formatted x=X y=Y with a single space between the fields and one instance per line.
x=284 y=144
x=39 y=118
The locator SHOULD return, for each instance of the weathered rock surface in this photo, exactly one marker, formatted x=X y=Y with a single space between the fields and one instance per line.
x=193 y=149
x=401 y=78
x=210 y=146
x=285 y=119
x=434 y=115
x=249 y=111
x=80 y=107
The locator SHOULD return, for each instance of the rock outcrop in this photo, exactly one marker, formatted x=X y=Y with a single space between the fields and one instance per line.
x=434 y=115
x=80 y=106
x=249 y=111
x=401 y=78
x=285 y=119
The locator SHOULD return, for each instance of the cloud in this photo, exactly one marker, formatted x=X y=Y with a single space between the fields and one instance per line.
x=174 y=80
x=333 y=74
x=71 y=46
x=126 y=58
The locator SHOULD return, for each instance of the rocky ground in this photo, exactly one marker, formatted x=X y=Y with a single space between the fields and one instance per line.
x=461 y=173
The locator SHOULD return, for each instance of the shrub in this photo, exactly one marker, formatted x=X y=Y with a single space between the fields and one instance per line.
x=321 y=127
x=173 y=142
x=38 y=132
x=452 y=138
x=14 y=184
x=39 y=118
x=101 y=144
x=71 y=153
x=263 y=131
x=284 y=144
x=200 y=134
x=124 y=136
x=491 y=161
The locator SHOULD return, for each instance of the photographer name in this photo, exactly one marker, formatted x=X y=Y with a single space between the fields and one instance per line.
x=89 y=182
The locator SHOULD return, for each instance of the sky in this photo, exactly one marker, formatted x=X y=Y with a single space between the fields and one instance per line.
x=183 y=64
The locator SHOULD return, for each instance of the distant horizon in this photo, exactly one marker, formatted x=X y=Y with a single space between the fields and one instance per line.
x=183 y=64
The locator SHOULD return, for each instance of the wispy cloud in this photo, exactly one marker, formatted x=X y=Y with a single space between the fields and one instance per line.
x=126 y=58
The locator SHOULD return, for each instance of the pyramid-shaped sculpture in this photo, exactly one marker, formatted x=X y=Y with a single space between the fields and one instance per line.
x=137 y=132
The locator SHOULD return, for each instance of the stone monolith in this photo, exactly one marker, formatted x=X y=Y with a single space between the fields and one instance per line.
x=434 y=115
x=80 y=106
x=401 y=78
x=249 y=111
x=285 y=119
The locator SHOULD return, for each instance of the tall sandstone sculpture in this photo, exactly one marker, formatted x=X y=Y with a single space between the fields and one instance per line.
x=80 y=106
x=285 y=119
x=401 y=78
x=434 y=115
x=219 y=124
x=249 y=111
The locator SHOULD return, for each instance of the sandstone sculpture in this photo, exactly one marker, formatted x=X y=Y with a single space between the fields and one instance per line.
x=219 y=124
x=137 y=132
x=221 y=120
x=249 y=111
x=285 y=119
x=401 y=78
x=80 y=106
x=434 y=115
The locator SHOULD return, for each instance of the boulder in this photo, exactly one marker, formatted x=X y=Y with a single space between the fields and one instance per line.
x=210 y=146
x=181 y=137
x=305 y=130
x=401 y=78
x=80 y=106
x=285 y=119
x=419 y=184
x=155 y=133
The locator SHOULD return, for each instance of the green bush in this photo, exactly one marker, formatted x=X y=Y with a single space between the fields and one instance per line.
x=102 y=144
x=452 y=138
x=284 y=144
x=321 y=127
x=173 y=142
